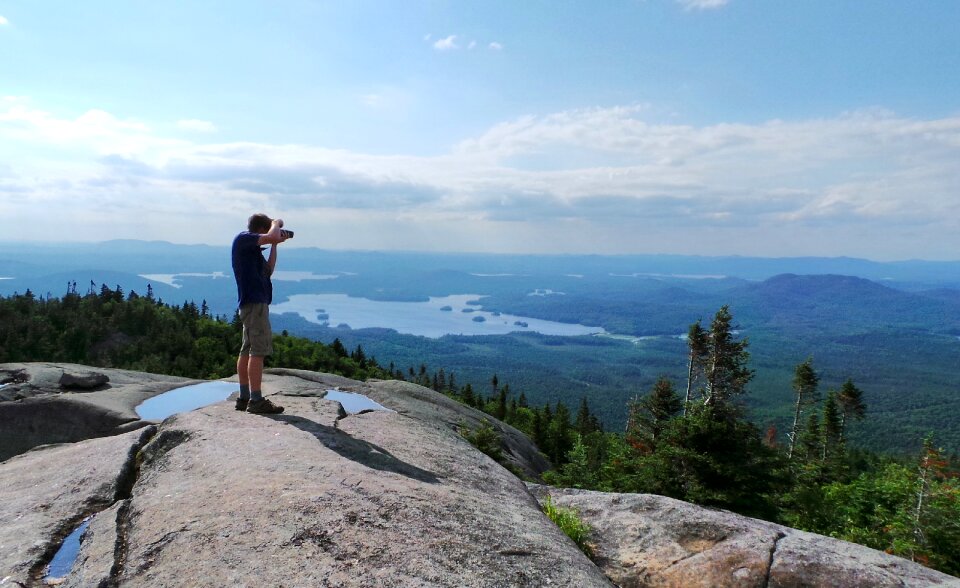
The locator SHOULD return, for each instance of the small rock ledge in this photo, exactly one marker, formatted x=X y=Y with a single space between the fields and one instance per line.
x=648 y=540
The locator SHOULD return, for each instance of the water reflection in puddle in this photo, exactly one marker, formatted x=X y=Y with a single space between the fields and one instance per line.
x=354 y=403
x=185 y=399
x=66 y=556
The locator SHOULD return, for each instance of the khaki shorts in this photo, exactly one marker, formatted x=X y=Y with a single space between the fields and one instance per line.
x=257 y=335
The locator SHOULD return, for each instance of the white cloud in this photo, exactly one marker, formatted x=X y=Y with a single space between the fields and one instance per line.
x=495 y=46
x=604 y=179
x=95 y=130
x=472 y=45
x=702 y=4
x=3 y=21
x=428 y=36
x=199 y=126
x=446 y=44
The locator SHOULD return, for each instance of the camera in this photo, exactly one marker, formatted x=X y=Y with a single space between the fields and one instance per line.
x=286 y=234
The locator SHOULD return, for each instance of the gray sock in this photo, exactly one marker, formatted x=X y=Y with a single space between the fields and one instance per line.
x=256 y=395
x=244 y=392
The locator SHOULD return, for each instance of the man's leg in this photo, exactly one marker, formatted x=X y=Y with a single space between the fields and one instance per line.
x=260 y=339
x=243 y=360
x=259 y=404
x=255 y=376
x=243 y=375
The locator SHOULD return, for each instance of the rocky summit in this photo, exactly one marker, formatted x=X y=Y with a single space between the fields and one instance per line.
x=316 y=496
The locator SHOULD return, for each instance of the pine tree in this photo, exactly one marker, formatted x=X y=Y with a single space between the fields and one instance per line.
x=467 y=395
x=423 y=378
x=830 y=429
x=832 y=451
x=586 y=423
x=538 y=431
x=501 y=409
x=727 y=372
x=852 y=406
x=358 y=355
x=338 y=348
x=576 y=472
x=649 y=416
x=561 y=439
x=810 y=440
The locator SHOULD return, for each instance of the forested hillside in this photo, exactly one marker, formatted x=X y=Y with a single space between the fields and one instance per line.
x=142 y=333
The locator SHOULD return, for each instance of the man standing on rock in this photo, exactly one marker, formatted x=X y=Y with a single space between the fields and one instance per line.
x=255 y=293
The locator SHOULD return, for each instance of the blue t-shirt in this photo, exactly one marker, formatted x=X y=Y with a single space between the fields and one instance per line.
x=250 y=270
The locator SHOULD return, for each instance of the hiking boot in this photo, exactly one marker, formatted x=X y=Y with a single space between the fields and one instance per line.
x=263 y=406
x=241 y=404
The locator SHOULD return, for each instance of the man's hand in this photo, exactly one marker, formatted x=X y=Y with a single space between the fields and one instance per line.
x=275 y=235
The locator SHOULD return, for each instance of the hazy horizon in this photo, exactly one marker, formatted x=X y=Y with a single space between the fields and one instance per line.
x=291 y=245
x=681 y=127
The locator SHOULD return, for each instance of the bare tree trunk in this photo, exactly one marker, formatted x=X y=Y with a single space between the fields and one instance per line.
x=796 y=422
x=686 y=398
x=921 y=495
x=711 y=379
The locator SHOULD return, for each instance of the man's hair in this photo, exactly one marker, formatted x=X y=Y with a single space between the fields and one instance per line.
x=259 y=223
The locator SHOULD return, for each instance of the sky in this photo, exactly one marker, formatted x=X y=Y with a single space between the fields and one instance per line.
x=713 y=127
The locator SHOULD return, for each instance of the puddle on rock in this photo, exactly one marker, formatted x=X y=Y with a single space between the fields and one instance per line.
x=66 y=556
x=354 y=403
x=185 y=399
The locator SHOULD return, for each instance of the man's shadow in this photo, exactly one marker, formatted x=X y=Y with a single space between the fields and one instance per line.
x=358 y=450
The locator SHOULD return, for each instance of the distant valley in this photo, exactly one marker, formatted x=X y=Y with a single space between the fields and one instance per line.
x=892 y=327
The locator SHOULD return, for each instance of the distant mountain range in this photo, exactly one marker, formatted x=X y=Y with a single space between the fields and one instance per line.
x=131 y=256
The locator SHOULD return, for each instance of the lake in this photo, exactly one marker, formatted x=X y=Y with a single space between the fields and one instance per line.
x=444 y=315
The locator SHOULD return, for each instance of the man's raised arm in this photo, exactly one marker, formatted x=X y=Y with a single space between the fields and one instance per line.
x=274 y=235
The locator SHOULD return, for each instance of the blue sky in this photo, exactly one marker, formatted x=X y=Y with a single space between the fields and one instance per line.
x=768 y=128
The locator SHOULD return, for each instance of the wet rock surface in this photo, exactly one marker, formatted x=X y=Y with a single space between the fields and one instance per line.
x=45 y=494
x=426 y=405
x=648 y=540
x=316 y=497
x=312 y=498
x=36 y=410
